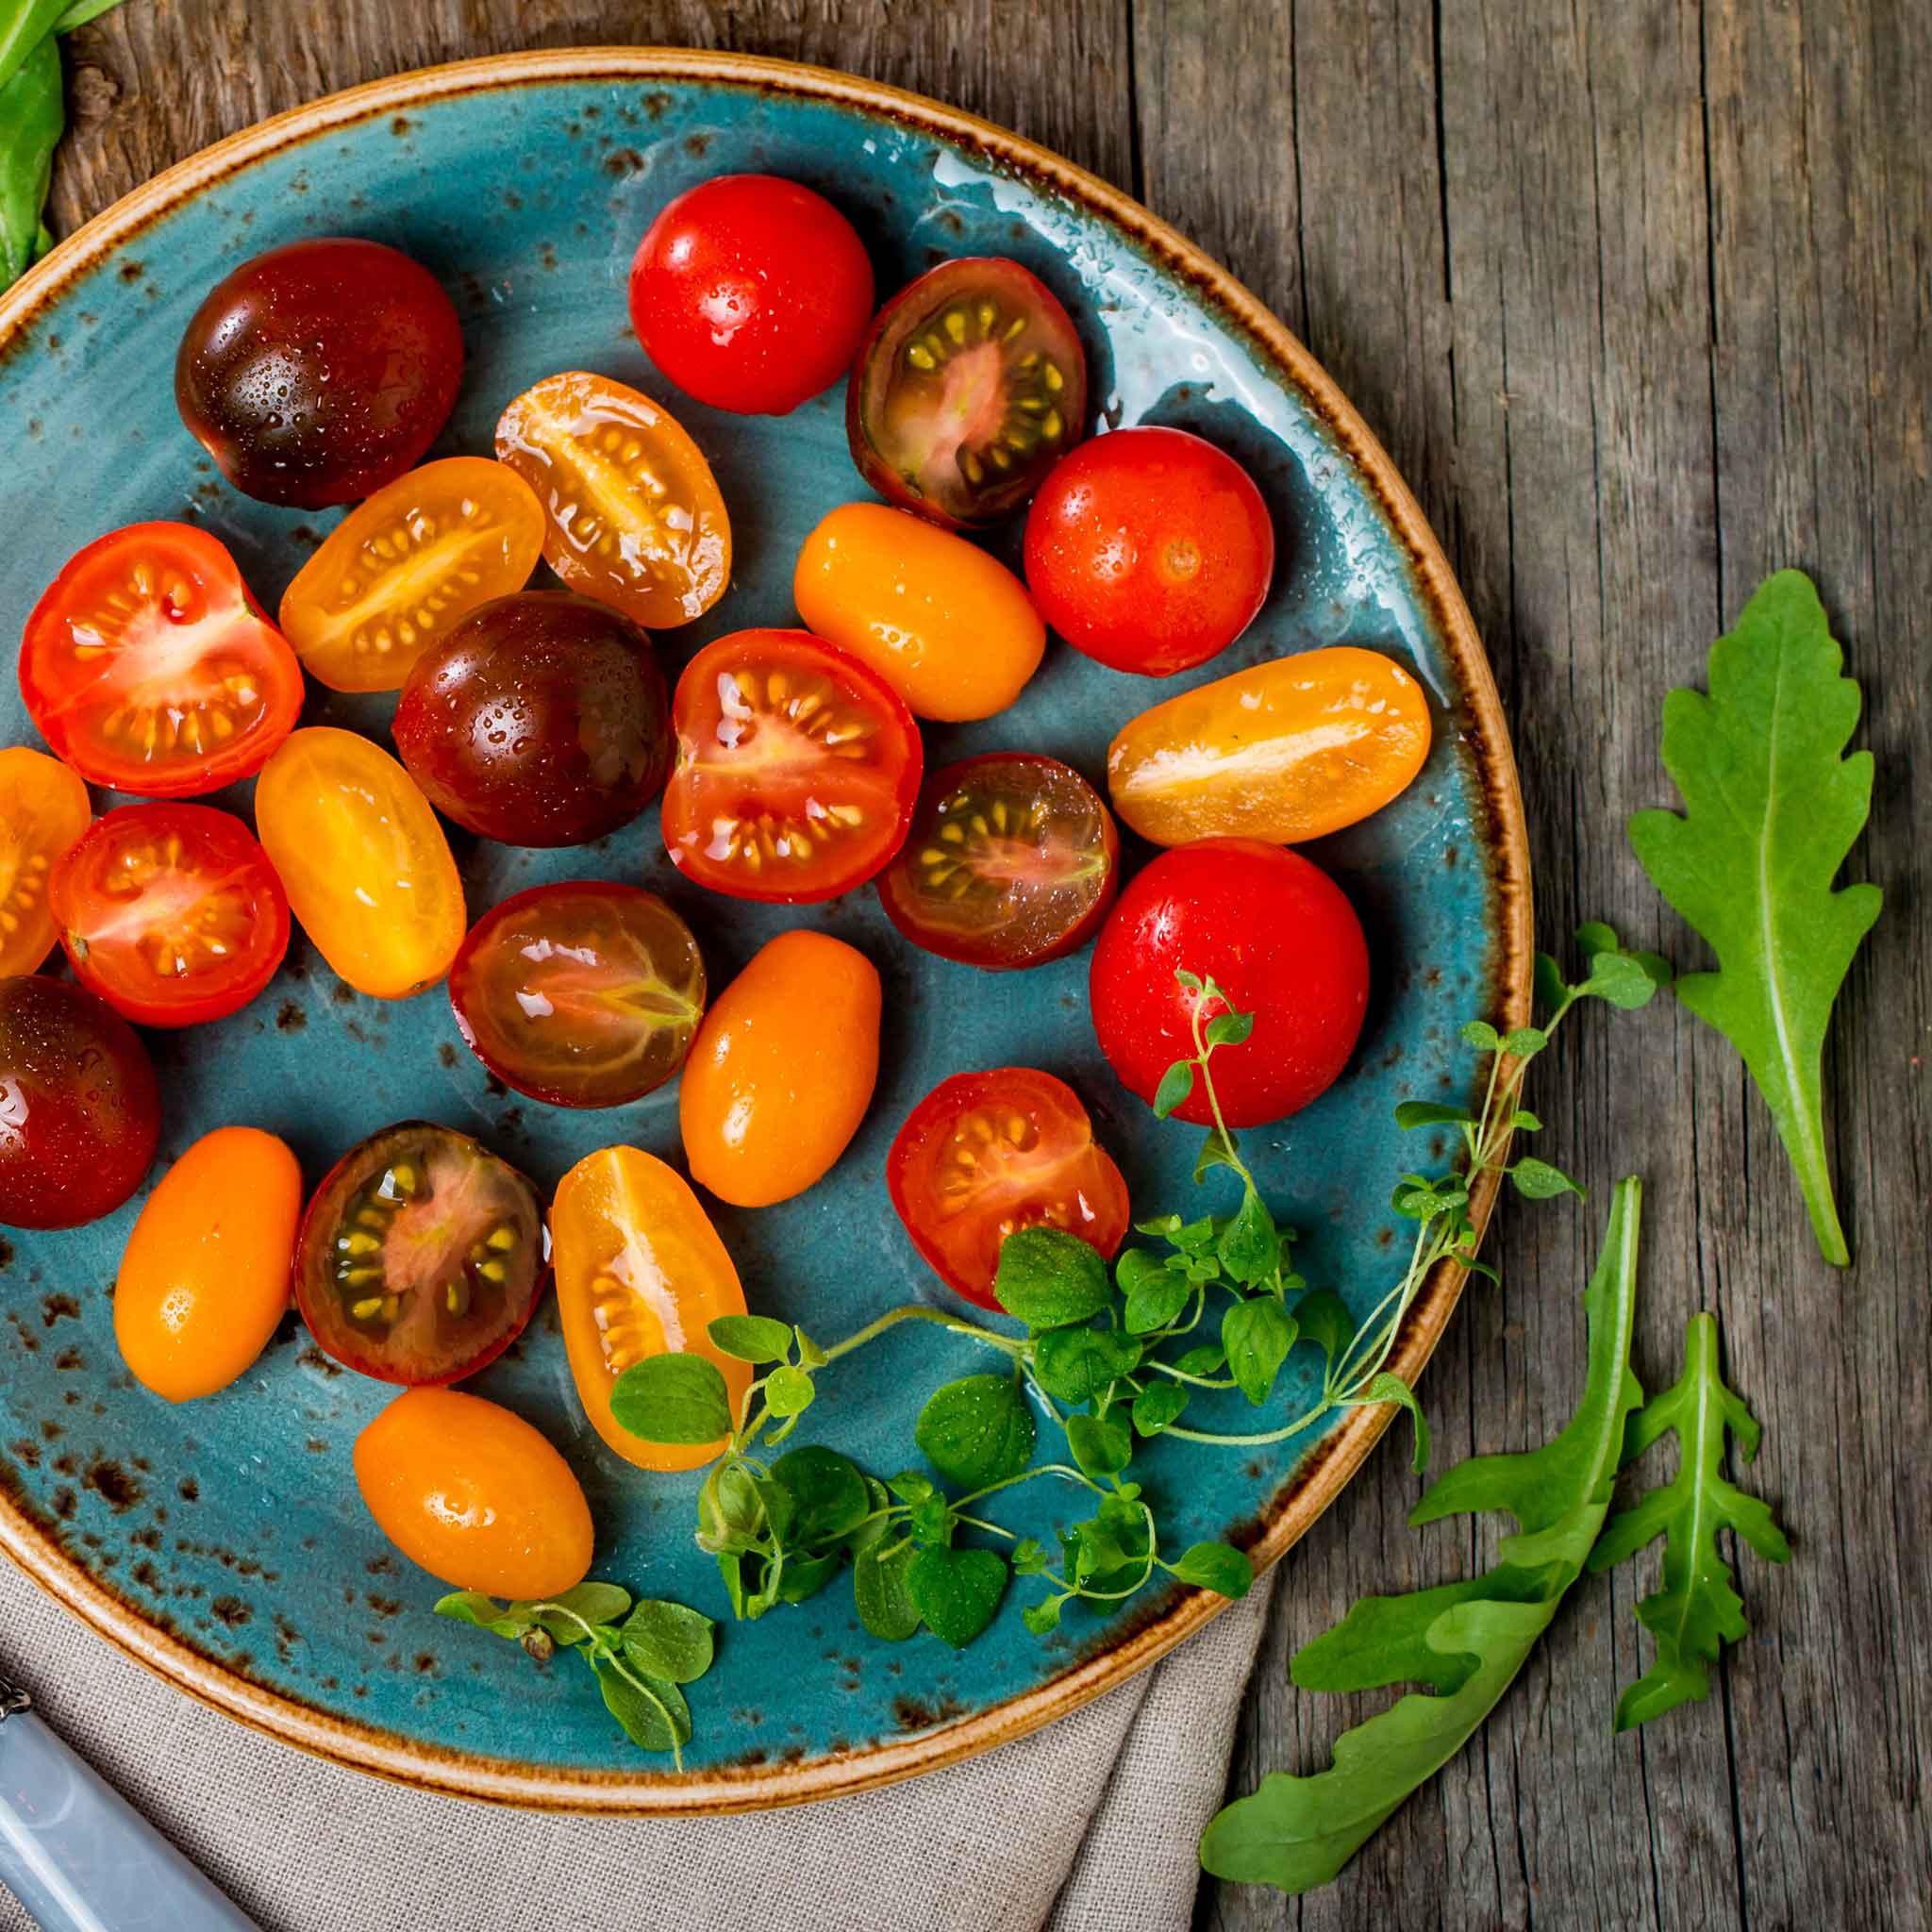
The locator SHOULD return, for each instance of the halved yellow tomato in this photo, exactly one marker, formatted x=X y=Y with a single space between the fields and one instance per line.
x=633 y=517
x=1281 y=752
x=43 y=809
x=639 y=1272
x=368 y=870
x=400 y=570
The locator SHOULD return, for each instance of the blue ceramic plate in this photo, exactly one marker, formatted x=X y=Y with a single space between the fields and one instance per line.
x=224 y=1543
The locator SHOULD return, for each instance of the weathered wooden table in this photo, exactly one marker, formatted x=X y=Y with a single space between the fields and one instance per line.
x=1639 y=295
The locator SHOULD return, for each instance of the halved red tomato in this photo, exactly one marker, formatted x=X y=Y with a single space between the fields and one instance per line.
x=148 y=666
x=171 y=912
x=985 y=1154
x=970 y=385
x=582 y=995
x=1011 y=860
x=421 y=1255
x=797 y=768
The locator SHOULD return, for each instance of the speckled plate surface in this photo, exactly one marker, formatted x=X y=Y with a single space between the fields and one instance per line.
x=223 y=1543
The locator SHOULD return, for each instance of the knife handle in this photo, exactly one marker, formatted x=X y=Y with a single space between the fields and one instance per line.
x=79 y=1858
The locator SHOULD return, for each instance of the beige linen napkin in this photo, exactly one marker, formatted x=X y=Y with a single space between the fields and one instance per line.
x=1089 y=1826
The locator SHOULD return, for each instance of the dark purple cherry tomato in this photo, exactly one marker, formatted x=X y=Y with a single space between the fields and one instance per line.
x=970 y=385
x=539 y=720
x=320 y=372
x=79 y=1111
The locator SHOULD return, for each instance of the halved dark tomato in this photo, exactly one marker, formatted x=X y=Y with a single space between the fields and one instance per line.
x=970 y=385
x=1011 y=860
x=985 y=1154
x=582 y=995
x=147 y=665
x=421 y=1255
x=171 y=912
x=797 y=768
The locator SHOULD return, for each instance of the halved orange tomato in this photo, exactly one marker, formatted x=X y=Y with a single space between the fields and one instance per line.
x=148 y=666
x=402 y=568
x=43 y=810
x=639 y=1272
x=633 y=517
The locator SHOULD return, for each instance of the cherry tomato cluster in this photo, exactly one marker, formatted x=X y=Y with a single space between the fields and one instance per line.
x=790 y=768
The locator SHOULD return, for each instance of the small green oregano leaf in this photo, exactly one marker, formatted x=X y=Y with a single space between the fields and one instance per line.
x=750 y=1338
x=978 y=1430
x=1050 y=1279
x=1176 y=1085
x=677 y=1399
x=957 y=1592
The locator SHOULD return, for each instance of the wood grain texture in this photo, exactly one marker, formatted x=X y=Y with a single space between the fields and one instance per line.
x=1640 y=299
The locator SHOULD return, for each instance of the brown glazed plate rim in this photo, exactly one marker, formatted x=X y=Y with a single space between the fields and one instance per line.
x=1327 y=1467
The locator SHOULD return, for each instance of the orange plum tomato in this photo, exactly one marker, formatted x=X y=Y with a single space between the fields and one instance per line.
x=797 y=769
x=539 y=720
x=632 y=514
x=321 y=371
x=970 y=385
x=640 y=1271
x=985 y=1154
x=474 y=1495
x=366 y=866
x=950 y=628
x=1280 y=938
x=421 y=1255
x=782 y=1071
x=582 y=995
x=171 y=912
x=80 y=1113
x=43 y=809
x=147 y=666
x=204 y=1279
x=751 y=292
x=1283 y=751
x=1149 y=550
x=399 y=570
x=1013 y=860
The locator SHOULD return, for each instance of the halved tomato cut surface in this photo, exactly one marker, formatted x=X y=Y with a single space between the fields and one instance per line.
x=633 y=515
x=970 y=385
x=582 y=994
x=43 y=809
x=147 y=666
x=797 y=769
x=401 y=571
x=1011 y=860
x=421 y=1255
x=985 y=1154
x=172 y=913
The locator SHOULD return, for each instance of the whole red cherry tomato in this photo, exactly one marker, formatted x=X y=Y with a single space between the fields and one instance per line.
x=1149 y=550
x=750 y=293
x=1272 y=931
x=80 y=1110
x=319 y=372
x=985 y=1154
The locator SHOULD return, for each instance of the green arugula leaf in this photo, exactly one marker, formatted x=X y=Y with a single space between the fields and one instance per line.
x=1771 y=809
x=1257 y=1335
x=977 y=1431
x=957 y=1592
x=1698 y=1611
x=1050 y=1279
x=32 y=114
x=672 y=1398
x=1466 y=1641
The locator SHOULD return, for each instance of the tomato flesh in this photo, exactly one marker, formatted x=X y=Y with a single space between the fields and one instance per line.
x=1011 y=860
x=580 y=995
x=751 y=294
x=1275 y=933
x=632 y=513
x=321 y=371
x=401 y=569
x=797 y=769
x=421 y=1255
x=985 y=1154
x=172 y=913
x=970 y=385
x=80 y=1114
x=43 y=809
x=148 y=667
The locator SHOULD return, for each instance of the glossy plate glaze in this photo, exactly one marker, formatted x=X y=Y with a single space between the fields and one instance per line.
x=223 y=1543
